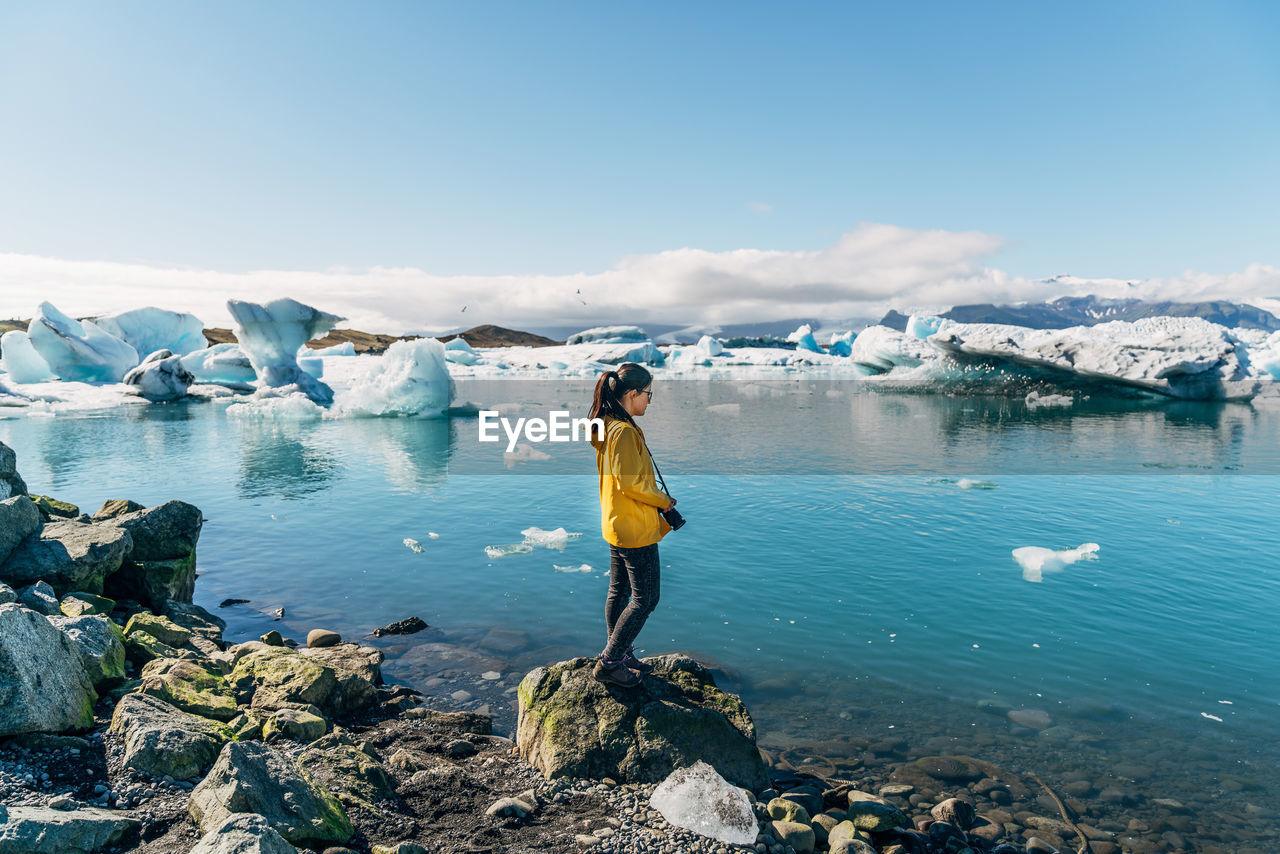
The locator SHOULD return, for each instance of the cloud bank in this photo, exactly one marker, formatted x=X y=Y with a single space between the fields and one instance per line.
x=863 y=273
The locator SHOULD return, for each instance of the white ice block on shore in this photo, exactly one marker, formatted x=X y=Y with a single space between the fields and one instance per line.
x=697 y=798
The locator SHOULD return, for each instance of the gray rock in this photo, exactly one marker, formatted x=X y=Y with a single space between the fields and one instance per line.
x=11 y=483
x=39 y=597
x=251 y=777
x=113 y=507
x=7 y=594
x=162 y=740
x=955 y=811
x=571 y=725
x=358 y=670
x=194 y=619
x=100 y=644
x=70 y=555
x=154 y=582
x=19 y=519
x=40 y=830
x=243 y=833
x=322 y=637
x=43 y=685
x=168 y=531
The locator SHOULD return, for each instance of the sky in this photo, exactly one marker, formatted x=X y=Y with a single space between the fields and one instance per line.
x=417 y=166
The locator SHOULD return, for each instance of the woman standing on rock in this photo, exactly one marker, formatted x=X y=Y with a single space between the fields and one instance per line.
x=631 y=507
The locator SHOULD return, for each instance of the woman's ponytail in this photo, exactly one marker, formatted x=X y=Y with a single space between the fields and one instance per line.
x=613 y=385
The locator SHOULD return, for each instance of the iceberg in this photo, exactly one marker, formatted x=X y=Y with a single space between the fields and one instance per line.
x=459 y=351
x=496 y=552
x=841 y=343
x=150 y=329
x=21 y=361
x=804 y=340
x=1036 y=400
x=1182 y=357
x=881 y=349
x=346 y=348
x=222 y=364
x=710 y=346
x=413 y=545
x=697 y=798
x=271 y=335
x=557 y=539
x=923 y=325
x=410 y=378
x=608 y=335
x=161 y=376
x=79 y=350
x=293 y=406
x=1036 y=562
x=585 y=567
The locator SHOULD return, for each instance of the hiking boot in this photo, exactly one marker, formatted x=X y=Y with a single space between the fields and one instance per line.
x=633 y=663
x=614 y=673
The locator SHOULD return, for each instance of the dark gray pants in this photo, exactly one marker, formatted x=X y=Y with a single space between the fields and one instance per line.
x=633 y=594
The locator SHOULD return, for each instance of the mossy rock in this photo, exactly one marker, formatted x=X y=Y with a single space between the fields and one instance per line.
x=571 y=725
x=356 y=777
x=192 y=686
x=155 y=582
x=161 y=628
x=784 y=810
x=876 y=817
x=85 y=605
x=53 y=508
x=294 y=724
x=141 y=647
x=278 y=677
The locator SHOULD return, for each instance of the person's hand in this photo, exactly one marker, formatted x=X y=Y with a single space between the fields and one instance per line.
x=672 y=505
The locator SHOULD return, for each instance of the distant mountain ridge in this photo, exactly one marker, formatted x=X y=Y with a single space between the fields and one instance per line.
x=1091 y=310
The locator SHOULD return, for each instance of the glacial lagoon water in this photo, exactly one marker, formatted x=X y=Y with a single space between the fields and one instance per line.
x=847 y=564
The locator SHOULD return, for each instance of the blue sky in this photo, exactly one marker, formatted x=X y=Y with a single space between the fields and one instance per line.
x=1125 y=140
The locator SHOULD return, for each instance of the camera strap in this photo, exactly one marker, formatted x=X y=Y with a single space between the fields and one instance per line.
x=656 y=470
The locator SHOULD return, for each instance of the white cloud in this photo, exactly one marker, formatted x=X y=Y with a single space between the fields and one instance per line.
x=864 y=272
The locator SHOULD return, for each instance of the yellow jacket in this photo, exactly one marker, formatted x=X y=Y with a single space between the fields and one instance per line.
x=629 y=495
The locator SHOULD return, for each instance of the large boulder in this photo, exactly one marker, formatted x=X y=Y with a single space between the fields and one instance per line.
x=43 y=685
x=42 y=830
x=358 y=670
x=100 y=644
x=71 y=555
x=164 y=532
x=11 y=482
x=164 y=741
x=192 y=686
x=276 y=677
x=253 y=778
x=571 y=725
x=153 y=582
x=357 y=778
x=194 y=618
x=19 y=519
x=243 y=833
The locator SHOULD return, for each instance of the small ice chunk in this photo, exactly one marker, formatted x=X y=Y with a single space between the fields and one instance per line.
x=556 y=539
x=804 y=340
x=970 y=483
x=410 y=378
x=287 y=407
x=21 y=361
x=710 y=346
x=699 y=799
x=346 y=348
x=584 y=567
x=433 y=535
x=1036 y=562
x=150 y=329
x=505 y=551
x=1036 y=400
x=271 y=336
x=79 y=351
x=524 y=453
x=161 y=376
x=413 y=545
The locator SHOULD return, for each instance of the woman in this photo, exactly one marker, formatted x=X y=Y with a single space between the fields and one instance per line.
x=630 y=519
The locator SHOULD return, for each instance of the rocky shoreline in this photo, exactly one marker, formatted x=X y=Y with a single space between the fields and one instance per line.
x=130 y=723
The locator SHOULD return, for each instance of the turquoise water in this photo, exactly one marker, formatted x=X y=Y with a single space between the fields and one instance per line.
x=834 y=567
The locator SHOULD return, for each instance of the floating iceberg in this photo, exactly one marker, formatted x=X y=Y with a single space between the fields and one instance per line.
x=505 y=551
x=294 y=406
x=557 y=539
x=608 y=335
x=841 y=343
x=1036 y=562
x=161 y=376
x=223 y=364
x=1182 y=357
x=710 y=346
x=585 y=567
x=411 y=378
x=699 y=799
x=1036 y=400
x=346 y=348
x=882 y=349
x=271 y=336
x=413 y=545
x=21 y=361
x=79 y=350
x=804 y=340
x=150 y=329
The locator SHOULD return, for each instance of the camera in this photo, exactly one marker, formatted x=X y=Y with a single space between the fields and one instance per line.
x=673 y=517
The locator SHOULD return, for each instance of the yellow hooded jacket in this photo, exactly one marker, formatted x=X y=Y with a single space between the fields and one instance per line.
x=629 y=495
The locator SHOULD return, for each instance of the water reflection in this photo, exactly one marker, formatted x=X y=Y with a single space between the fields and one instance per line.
x=285 y=460
x=413 y=453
